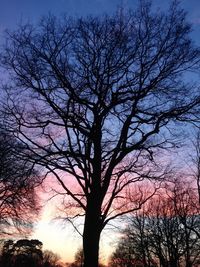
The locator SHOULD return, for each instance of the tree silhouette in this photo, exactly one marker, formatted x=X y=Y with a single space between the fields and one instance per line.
x=92 y=99
x=22 y=253
x=164 y=232
x=50 y=259
x=18 y=178
x=25 y=252
x=196 y=161
x=79 y=258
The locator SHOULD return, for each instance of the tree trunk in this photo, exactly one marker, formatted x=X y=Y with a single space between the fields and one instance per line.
x=91 y=235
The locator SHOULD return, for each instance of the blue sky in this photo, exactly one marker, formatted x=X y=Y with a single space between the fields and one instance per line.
x=14 y=11
x=11 y=11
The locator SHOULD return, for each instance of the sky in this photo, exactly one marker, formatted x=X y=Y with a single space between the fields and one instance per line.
x=13 y=11
x=55 y=236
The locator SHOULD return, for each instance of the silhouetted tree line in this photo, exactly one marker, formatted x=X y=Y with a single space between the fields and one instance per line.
x=165 y=233
x=27 y=253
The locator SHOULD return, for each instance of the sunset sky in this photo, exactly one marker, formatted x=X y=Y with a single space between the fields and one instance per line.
x=56 y=236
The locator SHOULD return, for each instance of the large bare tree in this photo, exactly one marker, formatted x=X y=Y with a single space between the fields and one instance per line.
x=92 y=99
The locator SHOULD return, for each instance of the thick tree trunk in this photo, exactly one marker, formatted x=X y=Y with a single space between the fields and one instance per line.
x=91 y=236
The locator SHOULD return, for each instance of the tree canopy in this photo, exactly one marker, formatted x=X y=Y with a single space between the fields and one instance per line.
x=25 y=252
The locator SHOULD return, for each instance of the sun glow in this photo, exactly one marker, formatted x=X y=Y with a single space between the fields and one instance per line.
x=56 y=236
x=64 y=240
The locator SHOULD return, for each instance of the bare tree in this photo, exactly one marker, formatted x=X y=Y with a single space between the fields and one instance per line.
x=93 y=99
x=196 y=161
x=163 y=233
x=125 y=254
x=175 y=221
x=50 y=259
x=78 y=259
x=18 y=178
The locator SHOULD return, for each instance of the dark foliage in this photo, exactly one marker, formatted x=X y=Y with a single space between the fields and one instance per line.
x=27 y=253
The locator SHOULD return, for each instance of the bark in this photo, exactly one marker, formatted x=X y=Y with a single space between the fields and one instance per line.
x=91 y=235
